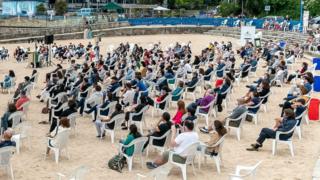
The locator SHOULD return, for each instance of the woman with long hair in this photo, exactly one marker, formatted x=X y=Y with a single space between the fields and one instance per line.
x=219 y=132
x=180 y=112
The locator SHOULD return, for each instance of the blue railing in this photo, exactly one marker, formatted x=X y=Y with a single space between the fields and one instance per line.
x=196 y=21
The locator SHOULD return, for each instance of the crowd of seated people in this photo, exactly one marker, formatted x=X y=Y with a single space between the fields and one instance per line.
x=135 y=79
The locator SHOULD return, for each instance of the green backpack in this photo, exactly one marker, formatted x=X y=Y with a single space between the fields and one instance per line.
x=117 y=163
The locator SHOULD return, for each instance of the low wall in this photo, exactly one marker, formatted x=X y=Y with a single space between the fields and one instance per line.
x=124 y=31
x=9 y=32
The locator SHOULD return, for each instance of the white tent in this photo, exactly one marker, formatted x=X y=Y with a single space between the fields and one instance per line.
x=160 y=8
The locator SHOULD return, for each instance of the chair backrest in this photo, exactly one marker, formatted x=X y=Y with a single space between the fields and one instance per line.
x=264 y=98
x=5 y=155
x=166 y=135
x=118 y=120
x=16 y=118
x=139 y=145
x=243 y=118
x=79 y=173
x=62 y=139
x=72 y=119
x=25 y=106
x=191 y=151
x=250 y=171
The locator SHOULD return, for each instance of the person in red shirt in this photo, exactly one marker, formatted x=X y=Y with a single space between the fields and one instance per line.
x=181 y=111
x=23 y=99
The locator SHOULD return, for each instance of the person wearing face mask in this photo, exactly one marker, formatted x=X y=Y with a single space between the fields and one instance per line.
x=281 y=124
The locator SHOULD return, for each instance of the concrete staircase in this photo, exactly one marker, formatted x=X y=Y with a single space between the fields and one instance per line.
x=276 y=36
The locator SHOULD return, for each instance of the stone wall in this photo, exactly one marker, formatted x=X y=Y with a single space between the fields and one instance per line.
x=9 y=32
x=123 y=31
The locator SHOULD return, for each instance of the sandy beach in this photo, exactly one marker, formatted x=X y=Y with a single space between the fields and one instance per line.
x=86 y=149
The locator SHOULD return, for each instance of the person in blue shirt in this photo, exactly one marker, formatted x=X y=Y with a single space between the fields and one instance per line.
x=207 y=72
x=177 y=91
x=219 y=71
x=7 y=135
x=255 y=100
x=297 y=105
x=282 y=124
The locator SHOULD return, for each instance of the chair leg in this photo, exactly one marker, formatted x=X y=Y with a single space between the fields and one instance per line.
x=184 y=171
x=129 y=161
x=274 y=147
x=11 y=172
x=56 y=155
x=291 y=148
x=112 y=137
x=216 y=159
x=238 y=134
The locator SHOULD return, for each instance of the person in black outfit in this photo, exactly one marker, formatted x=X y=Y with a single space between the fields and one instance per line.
x=72 y=108
x=162 y=127
x=136 y=109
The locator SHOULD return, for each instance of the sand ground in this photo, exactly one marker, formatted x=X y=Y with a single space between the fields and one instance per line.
x=86 y=149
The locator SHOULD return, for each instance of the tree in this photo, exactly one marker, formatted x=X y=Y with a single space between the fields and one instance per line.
x=229 y=9
x=60 y=7
x=189 y=4
x=41 y=9
x=313 y=6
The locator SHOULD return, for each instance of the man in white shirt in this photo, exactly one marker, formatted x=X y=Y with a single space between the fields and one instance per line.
x=179 y=145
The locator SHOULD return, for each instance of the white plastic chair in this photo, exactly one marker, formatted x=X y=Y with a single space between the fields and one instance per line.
x=111 y=106
x=288 y=141
x=192 y=92
x=77 y=174
x=165 y=136
x=206 y=115
x=72 y=119
x=22 y=133
x=298 y=127
x=5 y=159
x=35 y=77
x=118 y=120
x=262 y=98
x=250 y=171
x=160 y=173
x=156 y=106
x=216 y=158
x=255 y=115
x=177 y=95
x=142 y=121
x=191 y=152
x=241 y=118
x=138 y=150
x=25 y=109
x=61 y=142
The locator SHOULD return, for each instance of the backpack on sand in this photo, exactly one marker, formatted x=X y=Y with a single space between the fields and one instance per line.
x=117 y=163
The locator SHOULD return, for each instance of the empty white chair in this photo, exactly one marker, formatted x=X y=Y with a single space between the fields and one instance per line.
x=77 y=174
x=238 y=129
x=117 y=120
x=206 y=115
x=5 y=159
x=217 y=158
x=61 y=141
x=142 y=121
x=250 y=171
x=191 y=152
x=138 y=150
x=165 y=136
x=288 y=141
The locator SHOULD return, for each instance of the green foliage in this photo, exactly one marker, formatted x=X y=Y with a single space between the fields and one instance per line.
x=41 y=9
x=229 y=9
x=60 y=7
x=189 y=4
x=314 y=7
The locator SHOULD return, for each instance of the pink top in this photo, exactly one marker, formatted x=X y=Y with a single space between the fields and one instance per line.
x=178 y=117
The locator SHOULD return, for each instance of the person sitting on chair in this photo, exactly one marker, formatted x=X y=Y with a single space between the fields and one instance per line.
x=7 y=135
x=179 y=144
x=282 y=125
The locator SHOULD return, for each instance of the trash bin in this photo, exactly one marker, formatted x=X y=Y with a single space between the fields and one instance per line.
x=316 y=60
x=316 y=84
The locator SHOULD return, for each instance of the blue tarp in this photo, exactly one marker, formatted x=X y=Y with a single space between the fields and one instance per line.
x=196 y=21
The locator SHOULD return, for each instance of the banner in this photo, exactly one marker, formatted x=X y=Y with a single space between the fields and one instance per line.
x=247 y=34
